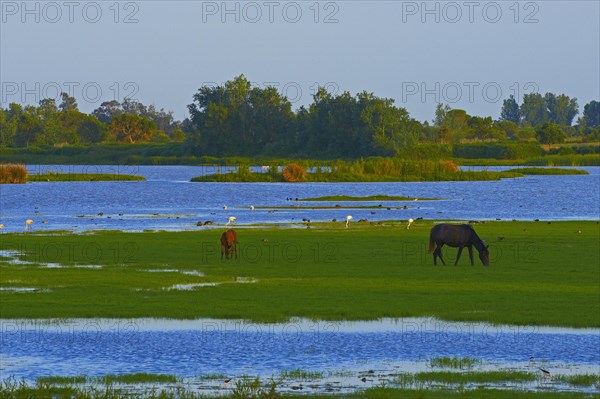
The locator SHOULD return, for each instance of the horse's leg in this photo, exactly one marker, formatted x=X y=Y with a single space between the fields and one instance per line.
x=458 y=256
x=222 y=250
x=471 y=254
x=439 y=251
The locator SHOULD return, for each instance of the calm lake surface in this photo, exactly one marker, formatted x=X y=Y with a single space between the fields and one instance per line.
x=168 y=201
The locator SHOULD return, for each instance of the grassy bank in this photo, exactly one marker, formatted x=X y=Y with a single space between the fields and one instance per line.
x=548 y=171
x=364 y=170
x=540 y=274
x=564 y=160
x=265 y=390
x=368 y=198
x=64 y=177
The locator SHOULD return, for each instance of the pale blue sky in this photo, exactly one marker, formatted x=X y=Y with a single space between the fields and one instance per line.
x=380 y=46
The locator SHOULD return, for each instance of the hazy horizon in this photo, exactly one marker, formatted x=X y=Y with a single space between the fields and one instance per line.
x=470 y=55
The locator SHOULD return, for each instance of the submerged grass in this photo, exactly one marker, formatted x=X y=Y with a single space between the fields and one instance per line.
x=299 y=374
x=540 y=274
x=62 y=380
x=581 y=379
x=451 y=377
x=135 y=378
x=257 y=389
x=454 y=362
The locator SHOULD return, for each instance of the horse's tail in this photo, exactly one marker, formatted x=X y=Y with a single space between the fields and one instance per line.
x=431 y=243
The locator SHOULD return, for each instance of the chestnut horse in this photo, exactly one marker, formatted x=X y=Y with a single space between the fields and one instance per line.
x=457 y=236
x=229 y=243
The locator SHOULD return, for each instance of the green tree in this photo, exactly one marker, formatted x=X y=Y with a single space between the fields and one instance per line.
x=440 y=113
x=178 y=135
x=91 y=130
x=391 y=127
x=510 y=129
x=68 y=103
x=533 y=109
x=456 y=121
x=481 y=128
x=561 y=109
x=550 y=133
x=131 y=128
x=8 y=128
x=236 y=118
x=591 y=114
x=29 y=125
x=510 y=111
x=107 y=110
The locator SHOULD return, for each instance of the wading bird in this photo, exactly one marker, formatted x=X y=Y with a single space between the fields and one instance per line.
x=410 y=221
x=28 y=224
x=348 y=219
x=231 y=220
x=251 y=207
x=547 y=374
x=224 y=207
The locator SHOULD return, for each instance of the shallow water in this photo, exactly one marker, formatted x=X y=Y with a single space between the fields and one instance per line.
x=167 y=200
x=200 y=347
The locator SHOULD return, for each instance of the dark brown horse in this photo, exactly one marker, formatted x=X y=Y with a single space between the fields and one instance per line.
x=229 y=243
x=457 y=236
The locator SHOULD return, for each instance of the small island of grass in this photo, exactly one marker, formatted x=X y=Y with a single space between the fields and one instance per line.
x=378 y=197
x=548 y=171
x=370 y=170
x=70 y=177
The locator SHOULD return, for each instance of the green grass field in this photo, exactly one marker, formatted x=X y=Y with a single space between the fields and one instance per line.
x=540 y=274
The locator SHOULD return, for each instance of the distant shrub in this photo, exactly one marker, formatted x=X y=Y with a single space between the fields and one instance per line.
x=448 y=167
x=508 y=150
x=293 y=173
x=13 y=173
x=561 y=151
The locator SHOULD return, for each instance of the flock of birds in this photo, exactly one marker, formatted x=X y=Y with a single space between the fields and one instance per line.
x=230 y=221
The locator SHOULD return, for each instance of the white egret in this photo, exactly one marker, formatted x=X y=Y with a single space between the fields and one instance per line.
x=28 y=224
x=348 y=219
x=232 y=220
x=410 y=221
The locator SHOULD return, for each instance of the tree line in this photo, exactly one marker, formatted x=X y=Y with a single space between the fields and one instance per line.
x=238 y=119
x=53 y=124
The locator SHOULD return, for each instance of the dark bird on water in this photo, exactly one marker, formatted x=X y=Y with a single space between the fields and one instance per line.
x=546 y=372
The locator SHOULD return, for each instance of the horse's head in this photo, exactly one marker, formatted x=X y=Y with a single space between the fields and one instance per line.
x=484 y=255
